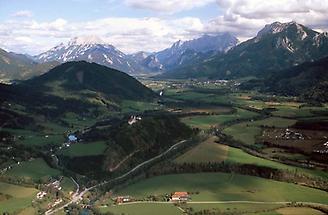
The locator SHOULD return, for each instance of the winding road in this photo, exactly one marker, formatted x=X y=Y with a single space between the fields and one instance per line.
x=78 y=196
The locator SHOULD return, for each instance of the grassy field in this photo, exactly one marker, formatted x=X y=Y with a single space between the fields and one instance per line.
x=32 y=138
x=234 y=208
x=207 y=151
x=243 y=133
x=67 y=184
x=189 y=95
x=224 y=187
x=33 y=170
x=19 y=197
x=274 y=122
x=75 y=121
x=215 y=152
x=290 y=111
x=205 y=122
x=248 y=132
x=143 y=209
x=236 y=155
x=230 y=208
x=298 y=211
x=89 y=149
x=283 y=108
x=138 y=106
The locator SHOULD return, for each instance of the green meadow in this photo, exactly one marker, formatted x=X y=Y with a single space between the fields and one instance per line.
x=206 y=121
x=224 y=187
x=84 y=149
x=17 y=197
x=33 y=170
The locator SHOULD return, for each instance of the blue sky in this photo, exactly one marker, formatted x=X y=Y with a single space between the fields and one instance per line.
x=34 y=26
x=82 y=10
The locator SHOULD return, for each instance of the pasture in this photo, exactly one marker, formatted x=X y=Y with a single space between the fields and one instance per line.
x=142 y=209
x=224 y=187
x=84 y=149
x=138 y=106
x=17 y=197
x=200 y=97
x=248 y=132
x=32 y=170
x=206 y=121
x=298 y=211
x=210 y=151
x=243 y=133
x=234 y=208
x=32 y=138
x=207 y=151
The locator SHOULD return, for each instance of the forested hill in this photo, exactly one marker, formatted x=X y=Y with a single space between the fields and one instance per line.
x=308 y=80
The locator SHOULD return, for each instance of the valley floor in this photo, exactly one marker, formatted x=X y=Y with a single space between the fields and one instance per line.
x=253 y=154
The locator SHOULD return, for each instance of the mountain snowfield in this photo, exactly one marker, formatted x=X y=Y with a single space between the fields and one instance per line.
x=90 y=49
x=94 y=49
x=182 y=53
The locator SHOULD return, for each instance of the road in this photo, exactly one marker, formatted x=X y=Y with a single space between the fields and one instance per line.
x=314 y=204
x=78 y=196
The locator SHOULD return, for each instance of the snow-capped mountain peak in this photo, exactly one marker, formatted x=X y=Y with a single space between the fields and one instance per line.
x=85 y=40
x=91 y=49
x=177 y=44
x=278 y=27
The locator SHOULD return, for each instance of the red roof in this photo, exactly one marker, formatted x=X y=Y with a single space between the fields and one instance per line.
x=180 y=194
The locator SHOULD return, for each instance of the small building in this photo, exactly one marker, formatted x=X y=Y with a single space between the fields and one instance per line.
x=122 y=199
x=72 y=138
x=134 y=119
x=180 y=197
x=41 y=194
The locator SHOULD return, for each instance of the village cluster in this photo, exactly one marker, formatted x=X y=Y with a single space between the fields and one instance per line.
x=190 y=83
x=322 y=150
x=53 y=187
x=291 y=135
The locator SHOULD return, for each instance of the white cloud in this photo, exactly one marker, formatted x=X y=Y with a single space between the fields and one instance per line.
x=148 y=34
x=167 y=6
x=243 y=18
x=22 y=13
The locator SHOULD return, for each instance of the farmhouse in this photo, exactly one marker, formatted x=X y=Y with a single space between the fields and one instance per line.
x=123 y=199
x=72 y=138
x=134 y=119
x=41 y=194
x=180 y=196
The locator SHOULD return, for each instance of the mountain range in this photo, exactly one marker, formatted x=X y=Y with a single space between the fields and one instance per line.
x=91 y=49
x=183 y=53
x=276 y=47
x=94 y=49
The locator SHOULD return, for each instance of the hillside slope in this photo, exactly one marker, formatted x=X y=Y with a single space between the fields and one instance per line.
x=81 y=75
x=77 y=87
x=308 y=80
x=18 y=66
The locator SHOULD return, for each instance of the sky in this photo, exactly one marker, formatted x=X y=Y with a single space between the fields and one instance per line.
x=34 y=26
